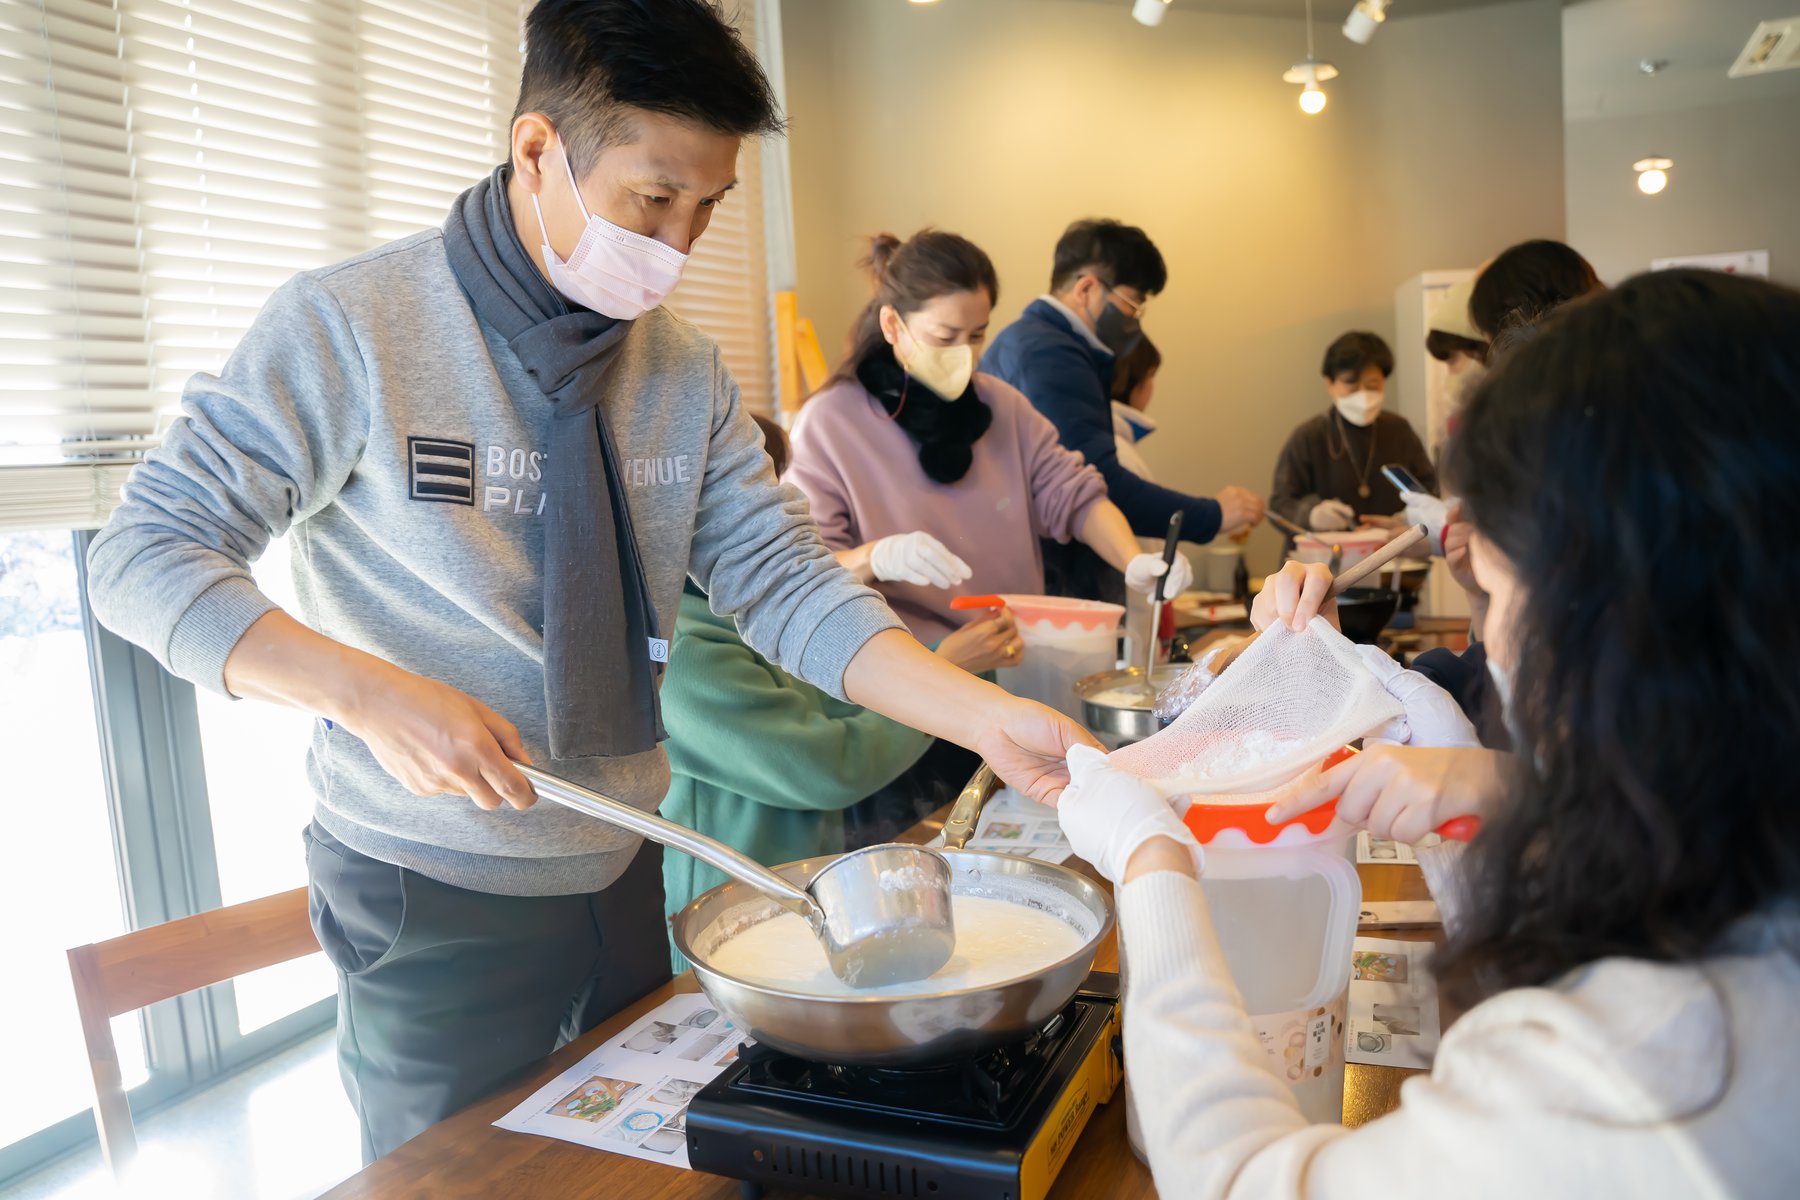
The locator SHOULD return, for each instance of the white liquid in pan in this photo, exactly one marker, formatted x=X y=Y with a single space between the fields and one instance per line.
x=1134 y=696
x=995 y=941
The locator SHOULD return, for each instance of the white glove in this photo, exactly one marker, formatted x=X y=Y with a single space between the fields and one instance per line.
x=1422 y=508
x=1431 y=718
x=1142 y=572
x=1107 y=813
x=1329 y=516
x=918 y=558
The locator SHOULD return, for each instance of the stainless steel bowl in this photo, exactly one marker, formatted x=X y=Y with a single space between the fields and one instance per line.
x=1132 y=722
x=911 y=1030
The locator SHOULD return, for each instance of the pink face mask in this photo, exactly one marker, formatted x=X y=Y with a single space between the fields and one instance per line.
x=615 y=272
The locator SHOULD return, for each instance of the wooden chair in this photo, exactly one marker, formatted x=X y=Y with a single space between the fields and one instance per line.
x=125 y=973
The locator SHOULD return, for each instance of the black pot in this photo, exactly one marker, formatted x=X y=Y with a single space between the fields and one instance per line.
x=1363 y=612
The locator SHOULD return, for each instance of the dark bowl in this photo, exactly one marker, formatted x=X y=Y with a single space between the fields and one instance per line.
x=1363 y=612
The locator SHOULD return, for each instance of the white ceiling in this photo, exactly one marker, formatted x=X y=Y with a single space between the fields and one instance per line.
x=1323 y=10
x=1605 y=40
x=1603 y=43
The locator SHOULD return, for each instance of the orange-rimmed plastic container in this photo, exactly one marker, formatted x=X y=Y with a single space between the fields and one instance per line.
x=1285 y=901
x=1051 y=612
x=1208 y=821
x=1066 y=640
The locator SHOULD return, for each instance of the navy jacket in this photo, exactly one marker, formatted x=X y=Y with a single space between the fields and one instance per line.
x=1069 y=381
x=1465 y=676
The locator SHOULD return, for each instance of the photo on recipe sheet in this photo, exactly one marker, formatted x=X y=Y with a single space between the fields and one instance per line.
x=631 y=1095
x=595 y=1099
x=1374 y=966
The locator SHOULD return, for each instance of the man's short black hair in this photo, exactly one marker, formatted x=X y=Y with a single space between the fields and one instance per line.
x=1441 y=345
x=1526 y=281
x=1354 y=352
x=1116 y=253
x=587 y=62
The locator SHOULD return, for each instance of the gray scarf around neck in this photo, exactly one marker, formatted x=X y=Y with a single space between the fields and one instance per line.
x=599 y=622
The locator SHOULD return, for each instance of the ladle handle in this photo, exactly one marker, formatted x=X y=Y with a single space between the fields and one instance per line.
x=1171 y=540
x=1286 y=526
x=676 y=837
x=959 y=826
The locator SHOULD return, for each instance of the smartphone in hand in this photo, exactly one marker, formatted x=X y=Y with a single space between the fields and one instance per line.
x=1401 y=478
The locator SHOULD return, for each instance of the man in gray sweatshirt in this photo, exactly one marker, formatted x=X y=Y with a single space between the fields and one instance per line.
x=498 y=459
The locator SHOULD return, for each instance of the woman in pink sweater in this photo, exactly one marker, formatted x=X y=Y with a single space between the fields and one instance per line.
x=908 y=440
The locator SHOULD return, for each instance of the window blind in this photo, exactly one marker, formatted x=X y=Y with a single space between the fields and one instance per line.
x=725 y=287
x=75 y=365
x=166 y=164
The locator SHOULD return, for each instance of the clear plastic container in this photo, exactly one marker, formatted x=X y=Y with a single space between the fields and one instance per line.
x=1286 y=917
x=1285 y=903
x=1065 y=640
x=1286 y=914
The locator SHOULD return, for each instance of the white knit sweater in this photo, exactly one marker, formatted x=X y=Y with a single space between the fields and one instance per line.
x=1626 y=1079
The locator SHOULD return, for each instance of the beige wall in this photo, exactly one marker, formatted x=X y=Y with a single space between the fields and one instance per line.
x=1735 y=186
x=1005 y=119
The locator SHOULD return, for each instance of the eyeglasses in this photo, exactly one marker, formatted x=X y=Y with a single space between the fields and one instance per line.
x=1131 y=308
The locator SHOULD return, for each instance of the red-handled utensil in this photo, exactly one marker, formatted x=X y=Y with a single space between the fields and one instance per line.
x=1460 y=829
x=965 y=603
x=1206 y=820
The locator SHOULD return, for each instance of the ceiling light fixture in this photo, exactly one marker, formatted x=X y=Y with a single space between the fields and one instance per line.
x=1364 y=19
x=1149 y=12
x=1310 y=72
x=1652 y=174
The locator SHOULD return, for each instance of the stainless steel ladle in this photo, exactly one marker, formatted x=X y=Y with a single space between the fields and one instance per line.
x=881 y=913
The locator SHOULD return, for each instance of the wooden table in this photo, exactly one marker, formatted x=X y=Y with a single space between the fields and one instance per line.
x=466 y=1156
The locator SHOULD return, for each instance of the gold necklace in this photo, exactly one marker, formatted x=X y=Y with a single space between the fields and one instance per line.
x=1337 y=419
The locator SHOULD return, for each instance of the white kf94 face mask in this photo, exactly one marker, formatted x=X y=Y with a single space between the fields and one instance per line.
x=615 y=272
x=1360 y=407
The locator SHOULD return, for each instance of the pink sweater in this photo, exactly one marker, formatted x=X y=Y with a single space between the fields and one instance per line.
x=861 y=472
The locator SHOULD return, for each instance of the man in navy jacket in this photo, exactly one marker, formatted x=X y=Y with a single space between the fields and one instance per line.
x=1060 y=353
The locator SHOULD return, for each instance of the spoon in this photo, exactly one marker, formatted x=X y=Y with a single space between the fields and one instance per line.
x=881 y=913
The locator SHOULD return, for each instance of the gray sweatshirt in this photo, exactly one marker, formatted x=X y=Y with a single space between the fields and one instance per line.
x=400 y=440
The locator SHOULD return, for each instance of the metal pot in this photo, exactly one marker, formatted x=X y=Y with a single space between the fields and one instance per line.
x=894 y=1031
x=1133 y=722
x=1363 y=612
x=1410 y=576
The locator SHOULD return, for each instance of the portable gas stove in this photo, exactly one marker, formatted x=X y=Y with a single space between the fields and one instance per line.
x=996 y=1127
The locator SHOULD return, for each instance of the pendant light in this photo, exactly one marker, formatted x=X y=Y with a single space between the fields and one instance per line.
x=1150 y=12
x=1310 y=72
x=1652 y=174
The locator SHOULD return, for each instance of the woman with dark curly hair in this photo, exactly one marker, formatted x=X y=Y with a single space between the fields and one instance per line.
x=1630 y=938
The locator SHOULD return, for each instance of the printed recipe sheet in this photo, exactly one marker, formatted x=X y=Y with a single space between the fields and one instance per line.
x=631 y=1095
x=1012 y=824
x=1393 y=1019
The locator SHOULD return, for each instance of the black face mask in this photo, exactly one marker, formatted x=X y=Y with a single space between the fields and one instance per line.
x=1116 y=331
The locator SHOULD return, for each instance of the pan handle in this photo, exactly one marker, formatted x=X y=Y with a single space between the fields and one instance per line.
x=959 y=826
